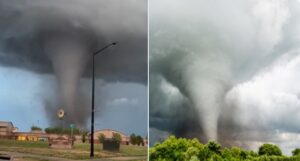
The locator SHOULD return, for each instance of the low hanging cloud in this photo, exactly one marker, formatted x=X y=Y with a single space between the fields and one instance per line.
x=220 y=63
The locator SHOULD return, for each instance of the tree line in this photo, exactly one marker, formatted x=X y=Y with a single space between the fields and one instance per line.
x=134 y=139
x=182 y=149
x=60 y=130
x=117 y=137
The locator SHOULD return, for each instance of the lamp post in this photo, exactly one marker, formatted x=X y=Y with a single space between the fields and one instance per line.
x=93 y=92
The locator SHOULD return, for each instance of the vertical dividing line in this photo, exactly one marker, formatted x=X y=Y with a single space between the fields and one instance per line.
x=93 y=109
x=148 y=82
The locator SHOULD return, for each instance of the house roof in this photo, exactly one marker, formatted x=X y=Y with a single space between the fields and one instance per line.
x=110 y=130
x=7 y=123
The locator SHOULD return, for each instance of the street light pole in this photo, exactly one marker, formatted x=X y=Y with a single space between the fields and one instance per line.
x=93 y=96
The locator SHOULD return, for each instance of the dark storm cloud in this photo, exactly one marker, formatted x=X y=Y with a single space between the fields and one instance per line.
x=27 y=26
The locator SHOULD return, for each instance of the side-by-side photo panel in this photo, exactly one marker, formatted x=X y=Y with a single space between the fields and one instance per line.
x=73 y=80
x=224 y=80
x=157 y=80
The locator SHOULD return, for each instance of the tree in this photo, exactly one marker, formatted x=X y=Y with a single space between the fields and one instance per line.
x=101 y=138
x=117 y=137
x=176 y=149
x=33 y=128
x=269 y=149
x=83 y=136
x=133 y=139
x=213 y=146
x=60 y=130
x=139 y=140
x=296 y=152
x=181 y=149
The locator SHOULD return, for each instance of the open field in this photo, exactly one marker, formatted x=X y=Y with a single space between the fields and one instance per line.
x=80 y=150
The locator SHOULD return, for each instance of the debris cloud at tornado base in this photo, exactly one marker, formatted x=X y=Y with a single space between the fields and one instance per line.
x=58 y=37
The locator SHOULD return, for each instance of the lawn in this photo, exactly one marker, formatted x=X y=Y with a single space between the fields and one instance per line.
x=80 y=150
x=29 y=159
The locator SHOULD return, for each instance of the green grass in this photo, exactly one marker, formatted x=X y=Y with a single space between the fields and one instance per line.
x=25 y=144
x=127 y=150
x=80 y=150
x=133 y=150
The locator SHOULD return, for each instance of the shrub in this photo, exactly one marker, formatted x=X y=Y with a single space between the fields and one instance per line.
x=36 y=128
x=269 y=149
x=133 y=140
x=83 y=136
x=101 y=138
x=296 y=152
x=117 y=137
x=60 y=130
x=139 y=140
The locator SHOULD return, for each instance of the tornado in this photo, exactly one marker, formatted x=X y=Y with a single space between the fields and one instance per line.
x=206 y=86
x=69 y=57
x=203 y=49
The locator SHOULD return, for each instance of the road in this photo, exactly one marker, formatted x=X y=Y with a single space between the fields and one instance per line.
x=34 y=157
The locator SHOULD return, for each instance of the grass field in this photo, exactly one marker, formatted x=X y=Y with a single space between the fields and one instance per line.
x=29 y=159
x=80 y=150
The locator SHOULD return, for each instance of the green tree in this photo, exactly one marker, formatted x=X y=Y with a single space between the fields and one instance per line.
x=181 y=149
x=60 y=130
x=133 y=139
x=213 y=146
x=83 y=136
x=36 y=128
x=176 y=149
x=296 y=152
x=101 y=138
x=117 y=137
x=139 y=140
x=269 y=149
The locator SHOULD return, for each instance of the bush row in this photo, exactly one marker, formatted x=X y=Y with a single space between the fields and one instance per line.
x=181 y=149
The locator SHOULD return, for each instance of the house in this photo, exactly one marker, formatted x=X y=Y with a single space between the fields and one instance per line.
x=6 y=130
